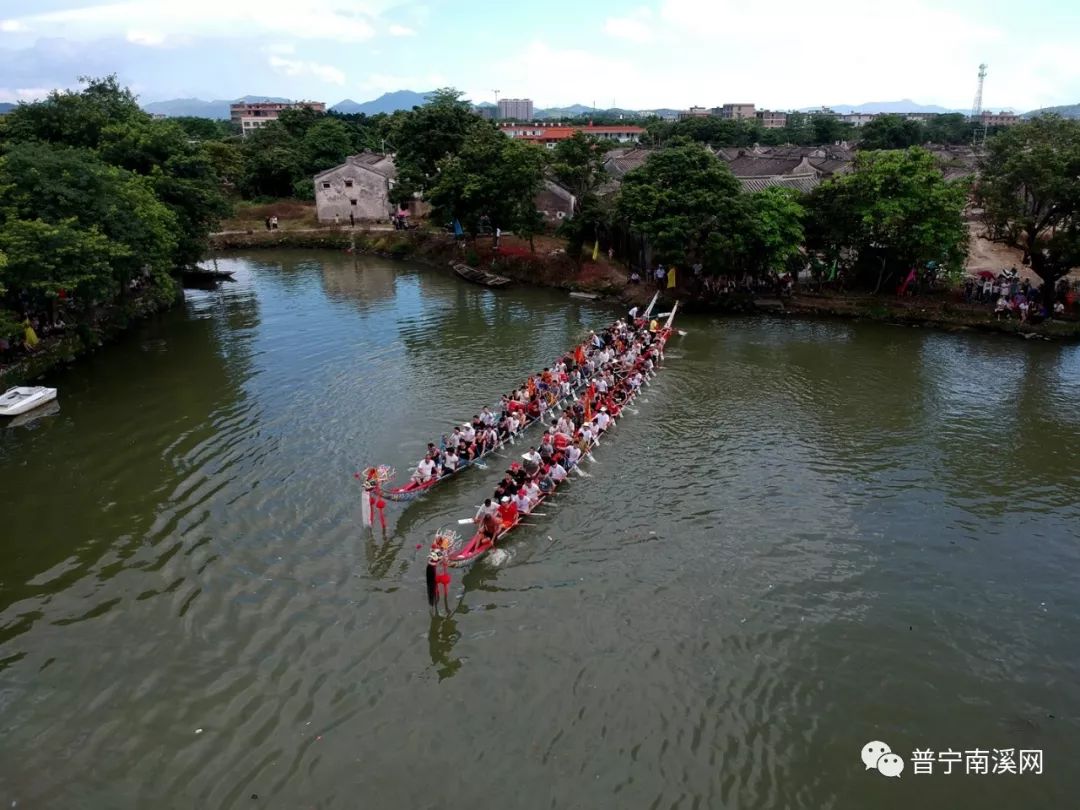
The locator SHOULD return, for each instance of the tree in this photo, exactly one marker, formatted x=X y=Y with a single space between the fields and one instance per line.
x=490 y=176
x=428 y=135
x=677 y=199
x=891 y=132
x=774 y=236
x=894 y=211
x=578 y=165
x=1030 y=194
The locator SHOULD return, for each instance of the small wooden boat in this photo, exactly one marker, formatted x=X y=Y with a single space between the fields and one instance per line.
x=20 y=400
x=480 y=276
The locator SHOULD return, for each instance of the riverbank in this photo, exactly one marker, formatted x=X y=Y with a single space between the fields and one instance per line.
x=926 y=311
x=82 y=339
x=545 y=263
x=550 y=266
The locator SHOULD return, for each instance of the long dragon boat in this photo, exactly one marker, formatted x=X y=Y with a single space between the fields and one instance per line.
x=412 y=490
x=455 y=555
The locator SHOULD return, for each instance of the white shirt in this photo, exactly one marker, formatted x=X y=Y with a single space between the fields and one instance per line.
x=451 y=461
x=565 y=426
x=532 y=456
x=425 y=469
x=602 y=420
x=573 y=453
x=486 y=510
x=633 y=312
x=533 y=491
x=558 y=472
x=468 y=434
x=522 y=503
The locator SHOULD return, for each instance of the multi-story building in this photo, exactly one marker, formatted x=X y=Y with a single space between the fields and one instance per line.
x=252 y=115
x=548 y=135
x=737 y=112
x=857 y=119
x=695 y=112
x=770 y=119
x=1000 y=119
x=515 y=109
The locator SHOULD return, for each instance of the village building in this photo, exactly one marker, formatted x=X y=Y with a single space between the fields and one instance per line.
x=695 y=112
x=360 y=186
x=738 y=112
x=548 y=135
x=554 y=202
x=771 y=119
x=252 y=115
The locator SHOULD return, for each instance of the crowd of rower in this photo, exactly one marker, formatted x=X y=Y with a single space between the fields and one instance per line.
x=623 y=357
x=523 y=406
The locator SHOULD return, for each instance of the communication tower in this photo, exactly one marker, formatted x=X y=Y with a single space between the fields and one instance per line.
x=979 y=136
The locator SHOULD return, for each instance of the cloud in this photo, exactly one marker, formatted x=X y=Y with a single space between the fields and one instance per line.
x=12 y=26
x=401 y=31
x=150 y=39
x=299 y=67
x=636 y=27
x=23 y=93
x=302 y=19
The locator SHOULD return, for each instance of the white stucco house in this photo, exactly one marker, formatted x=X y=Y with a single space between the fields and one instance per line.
x=360 y=186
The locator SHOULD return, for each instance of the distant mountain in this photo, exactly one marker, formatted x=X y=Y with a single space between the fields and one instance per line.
x=386 y=103
x=576 y=110
x=197 y=108
x=1065 y=111
x=563 y=112
x=6 y=107
x=903 y=106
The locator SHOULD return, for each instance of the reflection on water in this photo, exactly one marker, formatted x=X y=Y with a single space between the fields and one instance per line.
x=808 y=535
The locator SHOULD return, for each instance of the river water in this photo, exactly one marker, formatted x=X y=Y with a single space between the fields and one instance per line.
x=810 y=536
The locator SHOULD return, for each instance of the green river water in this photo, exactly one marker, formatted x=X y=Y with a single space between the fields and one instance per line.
x=809 y=536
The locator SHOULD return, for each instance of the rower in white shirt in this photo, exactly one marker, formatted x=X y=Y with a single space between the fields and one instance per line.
x=424 y=470
x=487 y=508
x=450 y=462
x=558 y=471
x=468 y=433
x=532 y=489
x=487 y=417
x=602 y=420
x=522 y=502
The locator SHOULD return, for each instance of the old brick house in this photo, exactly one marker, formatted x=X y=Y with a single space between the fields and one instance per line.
x=360 y=186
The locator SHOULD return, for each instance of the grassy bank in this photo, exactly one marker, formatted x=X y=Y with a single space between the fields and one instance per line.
x=929 y=311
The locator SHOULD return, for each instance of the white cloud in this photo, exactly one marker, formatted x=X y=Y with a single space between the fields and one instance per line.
x=23 y=93
x=150 y=39
x=636 y=27
x=12 y=26
x=280 y=48
x=401 y=31
x=302 y=19
x=300 y=67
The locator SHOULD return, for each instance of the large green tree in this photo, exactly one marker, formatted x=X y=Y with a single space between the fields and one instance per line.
x=428 y=135
x=577 y=163
x=894 y=211
x=490 y=176
x=678 y=199
x=1029 y=191
x=891 y=132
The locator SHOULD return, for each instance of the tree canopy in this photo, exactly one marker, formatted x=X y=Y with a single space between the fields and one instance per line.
x=95 y=193
x=893 y=212
x=1029 y=191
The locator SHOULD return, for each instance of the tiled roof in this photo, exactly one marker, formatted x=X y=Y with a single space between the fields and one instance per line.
x=829 y=166
x=620 y=162
x=373 y=162
x=749 y=166
x=804 y=183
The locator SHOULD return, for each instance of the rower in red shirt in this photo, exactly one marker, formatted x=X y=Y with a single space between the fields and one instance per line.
x=507 y=513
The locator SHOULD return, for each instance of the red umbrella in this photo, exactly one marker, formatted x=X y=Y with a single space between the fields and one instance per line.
x=985 y=274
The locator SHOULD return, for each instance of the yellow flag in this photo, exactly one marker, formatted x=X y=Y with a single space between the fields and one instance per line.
x=596 y=250
x=671 y=279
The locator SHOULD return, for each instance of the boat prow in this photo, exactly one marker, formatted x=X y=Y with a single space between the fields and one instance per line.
x=22 y=399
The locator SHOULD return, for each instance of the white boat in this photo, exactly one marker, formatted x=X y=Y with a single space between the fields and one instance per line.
x=21 y=400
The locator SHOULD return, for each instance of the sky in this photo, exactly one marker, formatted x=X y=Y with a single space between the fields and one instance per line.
x=779 y=54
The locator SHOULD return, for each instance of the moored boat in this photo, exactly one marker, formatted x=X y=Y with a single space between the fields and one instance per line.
x=483 y=277
x=22 y=399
